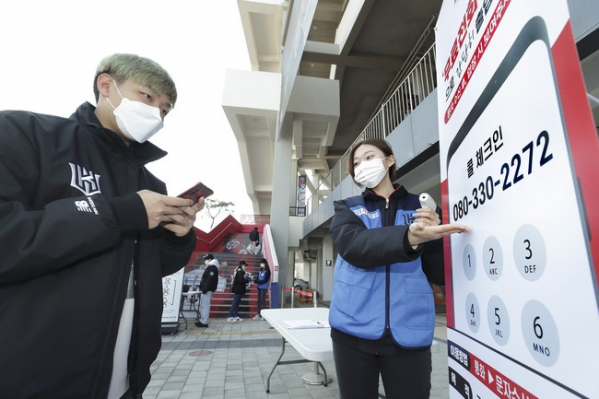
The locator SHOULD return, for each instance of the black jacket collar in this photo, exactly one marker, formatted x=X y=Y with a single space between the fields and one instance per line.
x=399 y=192
x=144 y=152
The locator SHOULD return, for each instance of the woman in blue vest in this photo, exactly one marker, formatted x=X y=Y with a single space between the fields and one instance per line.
x=382 y=310
x=263 y=281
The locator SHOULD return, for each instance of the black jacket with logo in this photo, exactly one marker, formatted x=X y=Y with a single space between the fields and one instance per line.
x=238 y=285
x=209 y=280
x=69 y=222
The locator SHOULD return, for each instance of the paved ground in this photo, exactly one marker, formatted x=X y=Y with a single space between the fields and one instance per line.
x=233 y=360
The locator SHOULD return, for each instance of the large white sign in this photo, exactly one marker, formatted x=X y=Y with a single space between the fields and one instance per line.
x=172 y=288
x=522 y=289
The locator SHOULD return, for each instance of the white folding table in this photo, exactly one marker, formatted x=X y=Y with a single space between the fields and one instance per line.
x=313 y=344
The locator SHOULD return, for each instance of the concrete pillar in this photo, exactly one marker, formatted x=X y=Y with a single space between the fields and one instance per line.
x=281 y=199
x=312 y=184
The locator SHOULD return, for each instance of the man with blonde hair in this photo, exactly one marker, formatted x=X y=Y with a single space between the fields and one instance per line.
x=87 y=234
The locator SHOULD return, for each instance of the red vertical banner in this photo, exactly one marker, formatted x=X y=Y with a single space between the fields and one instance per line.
x=583 y=138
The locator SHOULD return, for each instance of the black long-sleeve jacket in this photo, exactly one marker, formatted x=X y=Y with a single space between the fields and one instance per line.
x=209 y=279
x=238 y=285
x=71 y=226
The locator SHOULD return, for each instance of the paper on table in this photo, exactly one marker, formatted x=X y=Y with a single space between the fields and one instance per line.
x=297 y=324
x=325 y=323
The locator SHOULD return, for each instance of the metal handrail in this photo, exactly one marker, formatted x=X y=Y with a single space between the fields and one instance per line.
x=417 y=85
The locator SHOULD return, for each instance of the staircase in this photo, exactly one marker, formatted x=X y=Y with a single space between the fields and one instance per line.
x=221 y=301
x=229 y=248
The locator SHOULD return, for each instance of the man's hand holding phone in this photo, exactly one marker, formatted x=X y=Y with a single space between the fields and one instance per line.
x=176 y=214
x=180 y=224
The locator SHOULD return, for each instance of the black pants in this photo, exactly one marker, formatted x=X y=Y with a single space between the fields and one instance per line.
x=261 y=300
x=406 y=374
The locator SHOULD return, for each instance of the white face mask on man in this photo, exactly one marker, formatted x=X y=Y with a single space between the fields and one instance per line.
x=370 y=173
x=138 y=121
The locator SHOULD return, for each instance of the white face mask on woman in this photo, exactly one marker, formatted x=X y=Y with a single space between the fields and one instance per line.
x=370 y=173
x=138 y=121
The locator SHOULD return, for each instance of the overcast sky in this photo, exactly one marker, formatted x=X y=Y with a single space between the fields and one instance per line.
x=50 y=51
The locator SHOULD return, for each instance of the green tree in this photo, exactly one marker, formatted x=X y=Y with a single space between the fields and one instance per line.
x=214 y=207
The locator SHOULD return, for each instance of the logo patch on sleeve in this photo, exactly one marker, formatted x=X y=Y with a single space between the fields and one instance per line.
x=363 y=211
x=86 y=182
x=87 y=206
